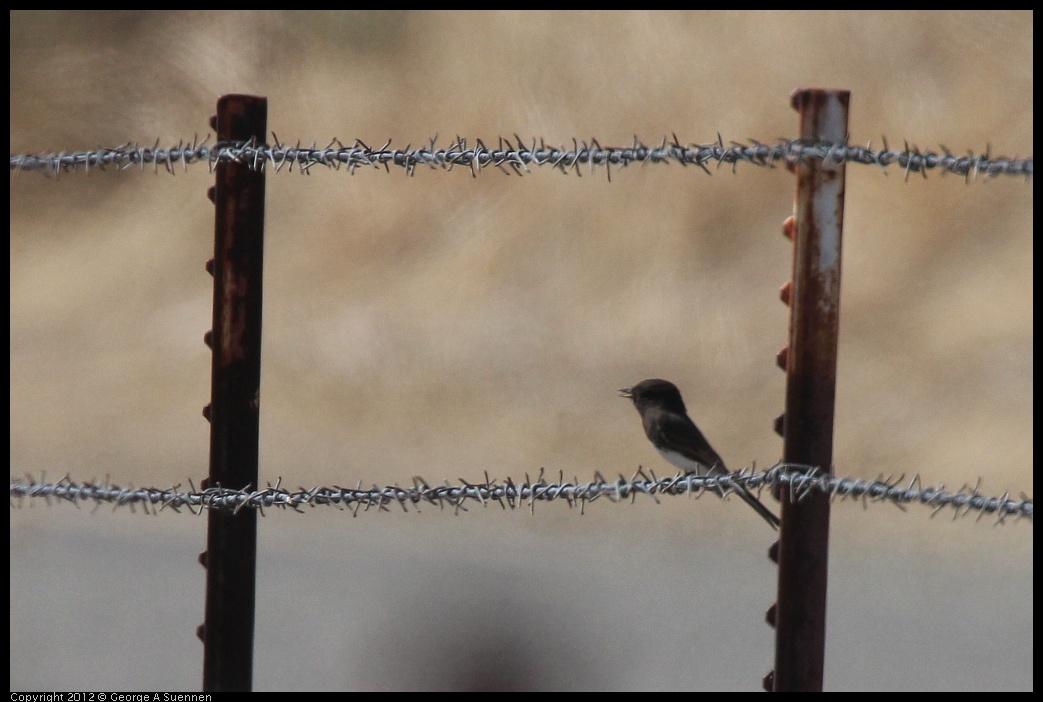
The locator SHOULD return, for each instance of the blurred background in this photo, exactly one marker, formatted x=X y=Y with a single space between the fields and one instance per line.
x=443 y=326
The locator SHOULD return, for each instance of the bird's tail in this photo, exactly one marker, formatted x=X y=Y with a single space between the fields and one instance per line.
x=748 y=497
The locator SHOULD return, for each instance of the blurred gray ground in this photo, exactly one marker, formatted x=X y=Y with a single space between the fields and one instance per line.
x=625 y=597
x=444 y=326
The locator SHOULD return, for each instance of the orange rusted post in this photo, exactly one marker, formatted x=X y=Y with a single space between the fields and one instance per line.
x=811 y=371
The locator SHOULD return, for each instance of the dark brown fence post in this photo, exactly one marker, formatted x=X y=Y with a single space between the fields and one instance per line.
x=811 y=365
x=234 y=409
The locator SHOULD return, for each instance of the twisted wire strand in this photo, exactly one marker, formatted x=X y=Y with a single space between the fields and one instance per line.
x=516 y=157
x=800 y=481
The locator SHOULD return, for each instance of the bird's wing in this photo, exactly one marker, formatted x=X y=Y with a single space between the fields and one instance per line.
x=689 y=442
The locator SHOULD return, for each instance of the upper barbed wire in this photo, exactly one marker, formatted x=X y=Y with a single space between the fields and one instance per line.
x=515 y=157
x=800 y=481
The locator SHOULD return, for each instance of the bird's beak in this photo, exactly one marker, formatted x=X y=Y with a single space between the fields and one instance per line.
x=625 y=392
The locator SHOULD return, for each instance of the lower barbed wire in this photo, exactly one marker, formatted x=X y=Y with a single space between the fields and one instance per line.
x=793 y=482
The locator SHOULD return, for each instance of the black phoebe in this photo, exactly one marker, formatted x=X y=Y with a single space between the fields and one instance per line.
x=677 y=438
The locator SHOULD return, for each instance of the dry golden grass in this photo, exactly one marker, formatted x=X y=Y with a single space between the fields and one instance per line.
x=443 y=325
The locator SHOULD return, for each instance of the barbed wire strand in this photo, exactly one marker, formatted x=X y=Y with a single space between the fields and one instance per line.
x=801 y=481
x=515 y=157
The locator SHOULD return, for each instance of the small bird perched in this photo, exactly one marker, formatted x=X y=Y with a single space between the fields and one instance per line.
x=676 y=437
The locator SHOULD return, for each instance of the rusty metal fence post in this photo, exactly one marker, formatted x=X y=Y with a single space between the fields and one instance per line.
x=230 y=558
x=811 y=364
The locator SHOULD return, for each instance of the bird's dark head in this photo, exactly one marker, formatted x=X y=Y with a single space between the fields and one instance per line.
x=655 y=392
